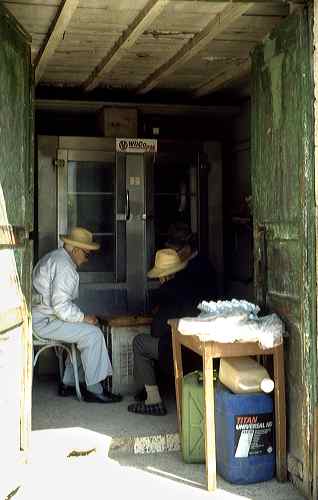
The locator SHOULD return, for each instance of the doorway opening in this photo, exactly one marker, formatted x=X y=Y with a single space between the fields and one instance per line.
x=129 y=201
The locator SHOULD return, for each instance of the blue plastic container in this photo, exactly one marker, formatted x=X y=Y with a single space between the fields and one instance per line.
x=245 y=448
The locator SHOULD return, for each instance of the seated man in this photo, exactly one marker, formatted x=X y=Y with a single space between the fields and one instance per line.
x=174 y=300
x=199 y=272
x=57 y=317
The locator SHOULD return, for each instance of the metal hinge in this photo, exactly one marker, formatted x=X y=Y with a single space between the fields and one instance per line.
x=59 y=163
x=9 y=319
x=13 y=236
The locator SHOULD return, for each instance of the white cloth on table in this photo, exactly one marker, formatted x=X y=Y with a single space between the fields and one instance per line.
x=233 y=321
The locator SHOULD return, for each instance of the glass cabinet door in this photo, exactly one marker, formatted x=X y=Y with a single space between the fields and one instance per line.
x=86 y=194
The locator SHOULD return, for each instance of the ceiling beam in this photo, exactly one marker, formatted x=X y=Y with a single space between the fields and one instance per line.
x=231 y=72
x=129 y=37
x=89 y=107
x=275 y=2
x=54 y=36
x=218 y=24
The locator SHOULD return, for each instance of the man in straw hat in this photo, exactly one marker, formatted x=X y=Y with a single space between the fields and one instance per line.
x=174 y=300
x=55 y=316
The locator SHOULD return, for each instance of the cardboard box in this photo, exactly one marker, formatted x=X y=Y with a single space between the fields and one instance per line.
x=118 y=122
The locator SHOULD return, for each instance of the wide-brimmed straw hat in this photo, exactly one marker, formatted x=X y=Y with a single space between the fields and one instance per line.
x=80 y=238
x=167 y=262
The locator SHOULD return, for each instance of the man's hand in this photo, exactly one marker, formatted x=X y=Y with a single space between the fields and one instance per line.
x=89 y=318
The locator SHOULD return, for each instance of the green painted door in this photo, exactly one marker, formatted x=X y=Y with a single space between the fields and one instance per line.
x=16 y=220
x=284 y=216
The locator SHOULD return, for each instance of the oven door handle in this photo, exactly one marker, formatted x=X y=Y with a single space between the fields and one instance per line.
x=127 y=206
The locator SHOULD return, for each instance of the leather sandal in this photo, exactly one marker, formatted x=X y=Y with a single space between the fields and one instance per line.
x=157 y=410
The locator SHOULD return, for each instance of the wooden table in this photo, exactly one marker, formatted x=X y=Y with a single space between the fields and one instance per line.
x=124 y=320
x=210 y=350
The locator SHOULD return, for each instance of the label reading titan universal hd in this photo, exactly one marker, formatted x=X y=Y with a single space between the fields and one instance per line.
x=253 y=435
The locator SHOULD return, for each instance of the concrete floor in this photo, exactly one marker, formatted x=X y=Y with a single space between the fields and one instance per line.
x=113 y=419
x=72 y=457
x=158 y=476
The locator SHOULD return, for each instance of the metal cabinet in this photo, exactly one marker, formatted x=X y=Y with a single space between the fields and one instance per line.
x=110 y=194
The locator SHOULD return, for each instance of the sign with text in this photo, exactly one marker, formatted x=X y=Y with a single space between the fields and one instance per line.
x=136 y=145
x=253 y=435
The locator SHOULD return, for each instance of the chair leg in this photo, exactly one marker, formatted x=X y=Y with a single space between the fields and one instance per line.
x=36 y=356
x=59 y=352
x=74 y=363
x=33 y=366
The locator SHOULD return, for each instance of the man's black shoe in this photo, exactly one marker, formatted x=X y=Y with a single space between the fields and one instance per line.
x=107 y=397
x=66 y=390
x=116 y=398
x=69 y=390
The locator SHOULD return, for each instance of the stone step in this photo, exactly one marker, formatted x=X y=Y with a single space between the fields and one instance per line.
x=140 y=445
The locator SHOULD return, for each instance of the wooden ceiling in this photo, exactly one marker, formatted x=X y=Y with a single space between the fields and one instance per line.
x=192 y=47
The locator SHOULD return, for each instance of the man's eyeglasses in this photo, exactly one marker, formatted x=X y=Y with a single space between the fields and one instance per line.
x=86 y=254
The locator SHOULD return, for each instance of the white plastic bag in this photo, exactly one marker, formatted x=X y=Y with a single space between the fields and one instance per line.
x=233 y=321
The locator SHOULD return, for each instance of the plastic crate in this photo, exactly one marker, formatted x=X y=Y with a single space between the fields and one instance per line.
x=119 y=343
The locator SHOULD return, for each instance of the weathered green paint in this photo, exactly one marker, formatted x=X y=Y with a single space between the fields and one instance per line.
x=284 y=214
x=16 y=209
x=281 y=231
x=282 y=255
x=275 y=71
x=16 y=135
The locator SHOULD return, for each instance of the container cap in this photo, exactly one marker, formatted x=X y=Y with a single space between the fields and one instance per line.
x=267 y=385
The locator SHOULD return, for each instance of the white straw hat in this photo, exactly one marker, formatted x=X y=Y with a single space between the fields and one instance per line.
x=167 y=262
x=80 y=238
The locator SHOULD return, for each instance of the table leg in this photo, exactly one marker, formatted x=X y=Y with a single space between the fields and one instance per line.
x=210 y=461
x=280 y=413
x=178 y=374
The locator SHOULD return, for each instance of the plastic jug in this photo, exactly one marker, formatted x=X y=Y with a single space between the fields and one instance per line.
x=244 y=375
x=192 y=409
x=245 y=436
